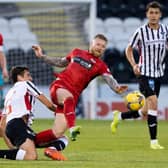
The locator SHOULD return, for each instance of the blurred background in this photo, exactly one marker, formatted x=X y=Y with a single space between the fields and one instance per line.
x=61 y=26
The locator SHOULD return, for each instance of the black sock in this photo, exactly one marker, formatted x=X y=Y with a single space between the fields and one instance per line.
x=9 y=154
x=129 y=115
x=152 y=125
x=58 y=144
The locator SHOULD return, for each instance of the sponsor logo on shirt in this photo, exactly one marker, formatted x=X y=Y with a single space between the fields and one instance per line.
x=84 y=63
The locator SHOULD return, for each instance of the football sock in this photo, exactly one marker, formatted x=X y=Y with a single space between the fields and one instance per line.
x=129 y=115
x=59 y=144
x=69 y=111
x=14 y=154
x=44 y=137
x=152 y=123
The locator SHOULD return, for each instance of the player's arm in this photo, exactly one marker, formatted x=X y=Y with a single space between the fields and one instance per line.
x=34 y=91
x=134 y=42
x=113 y=84
x=3 y=64
x=130 y=58
x=43 y=99
x=55 y=61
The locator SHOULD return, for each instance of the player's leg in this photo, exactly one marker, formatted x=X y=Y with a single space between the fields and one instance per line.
x=55 y=148
x=117 y=116
x=151 y=88
x=69 y=111
x=54 y=138
x=2 y=131
x=30 y=150
x=58 y=130
x=63 y=97
x=26 y=151
x=22 y=137
x=152 y=121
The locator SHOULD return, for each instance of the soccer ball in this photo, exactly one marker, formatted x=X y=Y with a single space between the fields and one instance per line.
x=134 y=100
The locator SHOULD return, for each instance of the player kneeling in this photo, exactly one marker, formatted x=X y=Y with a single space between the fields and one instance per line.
x=17 y=118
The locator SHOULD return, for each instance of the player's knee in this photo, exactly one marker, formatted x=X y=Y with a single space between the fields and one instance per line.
x=30 y=155
x=69 y=100
x=59 y=133
x=152 y=103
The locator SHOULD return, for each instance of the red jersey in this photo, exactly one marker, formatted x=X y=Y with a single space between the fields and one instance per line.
x=82 y=68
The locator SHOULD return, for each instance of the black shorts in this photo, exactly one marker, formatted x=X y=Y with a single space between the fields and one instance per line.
x=17 y=131
x=149 y=86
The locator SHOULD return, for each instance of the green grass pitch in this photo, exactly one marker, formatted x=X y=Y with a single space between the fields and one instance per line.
x=96 y=147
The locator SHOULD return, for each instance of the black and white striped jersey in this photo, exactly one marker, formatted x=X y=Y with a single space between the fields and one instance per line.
x=152 y=45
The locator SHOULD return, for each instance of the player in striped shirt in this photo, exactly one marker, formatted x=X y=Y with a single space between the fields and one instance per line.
x=18 y=106
x=151 y=40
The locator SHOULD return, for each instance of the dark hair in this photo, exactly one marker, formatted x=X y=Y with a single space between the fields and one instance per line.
x=17 y=70
x=153 y=4
x=101 y=36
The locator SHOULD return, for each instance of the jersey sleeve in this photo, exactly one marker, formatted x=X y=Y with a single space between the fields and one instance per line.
x=133 y=42
x=33 y=90
x=104 y=69
x=71 y=54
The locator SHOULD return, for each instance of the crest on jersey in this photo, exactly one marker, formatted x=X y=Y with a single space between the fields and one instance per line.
x=162 y=33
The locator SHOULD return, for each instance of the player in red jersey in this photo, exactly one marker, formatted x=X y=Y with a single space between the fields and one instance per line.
x=81 y=67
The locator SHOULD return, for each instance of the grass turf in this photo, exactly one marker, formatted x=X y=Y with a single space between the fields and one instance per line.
x=96 y=147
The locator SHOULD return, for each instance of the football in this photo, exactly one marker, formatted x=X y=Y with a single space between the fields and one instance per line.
x=134 y=100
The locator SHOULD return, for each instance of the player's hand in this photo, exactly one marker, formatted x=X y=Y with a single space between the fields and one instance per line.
x=38 y=50
x=121 y=89
x=136 y=70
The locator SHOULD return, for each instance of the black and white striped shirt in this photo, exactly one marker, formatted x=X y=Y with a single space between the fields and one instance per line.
x=152 y=49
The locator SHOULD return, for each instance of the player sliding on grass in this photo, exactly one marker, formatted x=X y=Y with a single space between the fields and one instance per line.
x=17 y=133
x=81 y=67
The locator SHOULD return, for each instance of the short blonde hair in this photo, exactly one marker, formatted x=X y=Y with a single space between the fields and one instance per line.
x=101 y=36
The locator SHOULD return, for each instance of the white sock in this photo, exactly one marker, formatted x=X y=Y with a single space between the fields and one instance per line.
x=140 y=112
x=153 y=141
x=152 y=112
x=64 y=139
x=20 y=154
x=119 y=116
x=71 y=129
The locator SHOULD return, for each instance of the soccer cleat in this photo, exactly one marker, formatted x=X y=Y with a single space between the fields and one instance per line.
x=74 y=131
x=54 y=154
x=156 y=146
x=115 y=121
